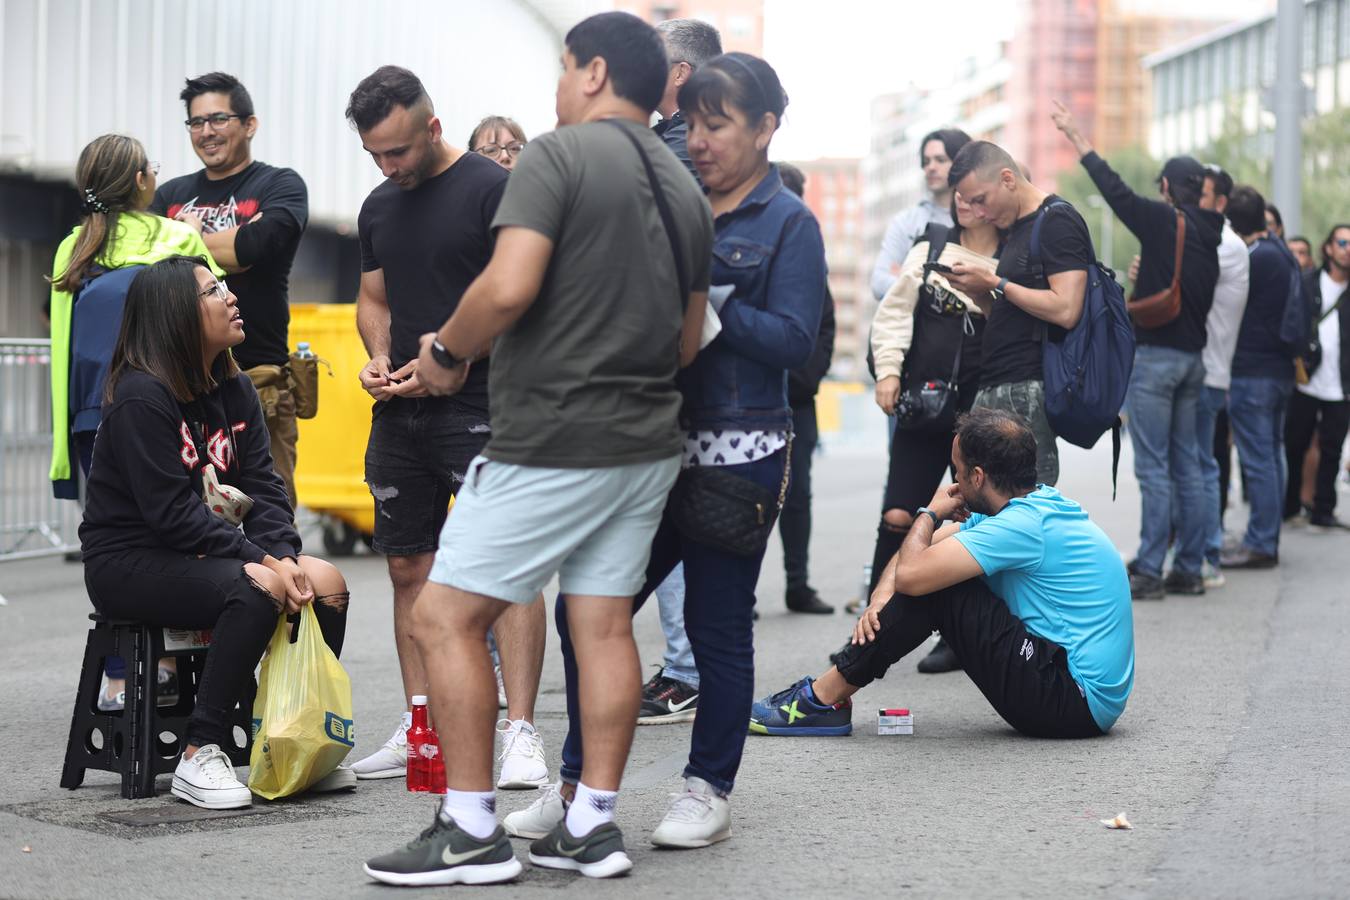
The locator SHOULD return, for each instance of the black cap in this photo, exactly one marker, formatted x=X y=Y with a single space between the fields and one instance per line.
x=1183 y=171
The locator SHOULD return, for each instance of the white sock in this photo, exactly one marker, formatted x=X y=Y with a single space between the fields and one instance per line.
x=590 y=808
x=473 y=811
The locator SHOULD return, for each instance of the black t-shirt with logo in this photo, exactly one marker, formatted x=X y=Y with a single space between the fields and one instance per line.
x=1012 y=336
x=265 y=247
x=431 y=243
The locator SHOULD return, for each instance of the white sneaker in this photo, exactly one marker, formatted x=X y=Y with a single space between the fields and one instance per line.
x=208 y=780
x=540 y=817
x=391 y=760
x=698 y=817
x=1213 y=576
x=501 y=687
x=522 y=756
x=340 y=779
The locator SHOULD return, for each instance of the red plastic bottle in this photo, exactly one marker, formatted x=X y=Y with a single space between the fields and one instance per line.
x=426 y=770
x=418 y=773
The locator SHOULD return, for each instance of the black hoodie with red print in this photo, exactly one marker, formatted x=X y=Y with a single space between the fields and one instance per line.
x=145 y=484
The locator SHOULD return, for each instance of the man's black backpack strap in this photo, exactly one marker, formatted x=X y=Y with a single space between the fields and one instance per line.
x=667 y=219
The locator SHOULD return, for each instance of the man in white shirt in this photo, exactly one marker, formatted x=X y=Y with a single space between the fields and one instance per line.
x=1320 y=406
x=936 y=153
x=1221 y=333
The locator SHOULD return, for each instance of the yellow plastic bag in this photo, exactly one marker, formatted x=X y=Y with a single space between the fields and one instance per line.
x=302 y=724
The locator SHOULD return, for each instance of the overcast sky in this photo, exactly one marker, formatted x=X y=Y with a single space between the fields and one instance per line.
x=834 y=57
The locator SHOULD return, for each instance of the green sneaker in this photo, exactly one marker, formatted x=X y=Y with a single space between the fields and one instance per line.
x=446 y=854
x=599 y=854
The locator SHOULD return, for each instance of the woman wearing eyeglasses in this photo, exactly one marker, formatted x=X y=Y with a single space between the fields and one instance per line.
x=499 y=139
x=179 y=416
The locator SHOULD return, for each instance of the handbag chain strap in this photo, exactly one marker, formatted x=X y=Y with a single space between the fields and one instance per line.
x=787 y=472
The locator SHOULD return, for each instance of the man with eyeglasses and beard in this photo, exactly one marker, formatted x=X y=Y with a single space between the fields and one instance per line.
x=251 y=216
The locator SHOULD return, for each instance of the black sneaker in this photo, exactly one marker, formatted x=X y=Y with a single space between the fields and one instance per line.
x=1183 y=583
x=805 y=600
x=1328 y=524
x=1247 y=558
x=942 y=658
x=665 y=700
x=599 y=854
x=446 y=854
x=1146 y=587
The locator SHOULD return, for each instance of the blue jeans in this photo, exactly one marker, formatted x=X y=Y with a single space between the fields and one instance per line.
x=1212 y=402
x=719 y=604
x=1256 y=410
x=678 y=663
x=1162 y=404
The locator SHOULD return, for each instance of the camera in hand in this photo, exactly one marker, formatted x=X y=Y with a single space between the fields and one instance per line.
x=930 y=406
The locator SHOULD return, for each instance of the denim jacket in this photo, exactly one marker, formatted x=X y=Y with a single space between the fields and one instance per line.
x=770 y=251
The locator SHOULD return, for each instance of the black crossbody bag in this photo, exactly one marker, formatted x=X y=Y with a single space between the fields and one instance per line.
x=710 y=505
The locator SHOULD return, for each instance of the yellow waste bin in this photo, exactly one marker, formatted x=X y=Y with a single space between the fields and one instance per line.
x=330 y=469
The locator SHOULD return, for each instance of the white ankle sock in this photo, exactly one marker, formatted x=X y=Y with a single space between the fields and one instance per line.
x=473 y=811
x=590 y=808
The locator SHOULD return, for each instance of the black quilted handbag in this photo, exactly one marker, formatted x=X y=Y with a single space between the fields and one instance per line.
x=714 y=507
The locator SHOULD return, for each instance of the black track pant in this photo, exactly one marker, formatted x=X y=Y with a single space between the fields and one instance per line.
x=177 y=590
x=1024 y=677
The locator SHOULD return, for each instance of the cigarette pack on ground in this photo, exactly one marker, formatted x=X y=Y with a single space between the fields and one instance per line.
x=895 y=721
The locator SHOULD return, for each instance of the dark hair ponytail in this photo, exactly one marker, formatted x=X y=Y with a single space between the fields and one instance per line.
x=106 y=179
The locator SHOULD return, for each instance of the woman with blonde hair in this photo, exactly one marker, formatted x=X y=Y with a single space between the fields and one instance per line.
x=116 y=181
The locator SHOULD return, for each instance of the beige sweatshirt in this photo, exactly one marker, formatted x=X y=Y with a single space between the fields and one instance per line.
x=893 y=325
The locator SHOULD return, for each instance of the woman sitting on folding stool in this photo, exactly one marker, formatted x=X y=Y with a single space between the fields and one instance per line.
x=181 y=424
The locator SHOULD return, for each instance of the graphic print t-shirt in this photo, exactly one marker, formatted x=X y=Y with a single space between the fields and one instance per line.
x=266 y=246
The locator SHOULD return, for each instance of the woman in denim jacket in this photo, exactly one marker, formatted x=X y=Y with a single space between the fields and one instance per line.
x=769 y=263
x=768 y=288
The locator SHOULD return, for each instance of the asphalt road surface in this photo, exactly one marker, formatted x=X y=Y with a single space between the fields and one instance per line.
x=1231 y=760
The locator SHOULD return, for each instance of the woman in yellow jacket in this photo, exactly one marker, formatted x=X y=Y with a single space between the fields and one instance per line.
x=116 y=182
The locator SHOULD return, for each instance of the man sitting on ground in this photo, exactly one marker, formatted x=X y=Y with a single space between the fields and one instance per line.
x=1045 y=631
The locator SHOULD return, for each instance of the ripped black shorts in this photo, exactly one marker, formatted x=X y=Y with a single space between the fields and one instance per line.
x=418 y=453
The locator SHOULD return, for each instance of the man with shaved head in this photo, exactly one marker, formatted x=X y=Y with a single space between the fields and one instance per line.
x=1025 y=299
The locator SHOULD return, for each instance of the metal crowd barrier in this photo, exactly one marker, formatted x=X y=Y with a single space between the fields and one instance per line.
x=32 y=522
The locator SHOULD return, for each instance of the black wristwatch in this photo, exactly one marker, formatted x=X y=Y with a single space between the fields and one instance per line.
x=937 y=522
x=444 y=358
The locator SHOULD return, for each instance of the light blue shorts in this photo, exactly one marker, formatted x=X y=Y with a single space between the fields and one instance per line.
x=512 y=528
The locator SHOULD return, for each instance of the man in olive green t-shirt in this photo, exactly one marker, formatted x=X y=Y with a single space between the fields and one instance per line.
x=582 y=305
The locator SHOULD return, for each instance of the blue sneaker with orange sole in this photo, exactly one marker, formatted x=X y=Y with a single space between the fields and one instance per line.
x=795 y=711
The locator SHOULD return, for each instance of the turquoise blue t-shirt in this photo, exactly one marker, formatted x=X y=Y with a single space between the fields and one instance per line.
x=1061 y=576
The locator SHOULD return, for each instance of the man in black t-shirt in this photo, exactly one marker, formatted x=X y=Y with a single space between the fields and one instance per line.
x=251 y=216
x=1021 y=299
x=425 y=236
